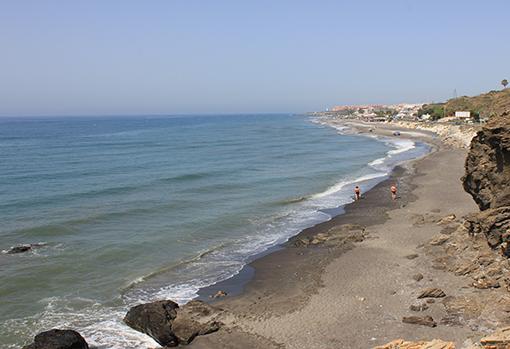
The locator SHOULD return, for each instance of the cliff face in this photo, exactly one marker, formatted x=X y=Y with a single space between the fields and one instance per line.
x=487 y=179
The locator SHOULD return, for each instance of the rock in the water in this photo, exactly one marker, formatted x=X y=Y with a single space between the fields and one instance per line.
x=58 y=339
x=412 y=256
x=432 y=292
x=170 y=324
x=154 y=319
x=500 y=339
x=420 y=320
x=23 y=248
x=402 y=344
x=19 y=249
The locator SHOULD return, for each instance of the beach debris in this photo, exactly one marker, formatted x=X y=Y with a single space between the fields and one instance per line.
x=402 y=344
x=451 y=320
x=418 y=277
x=412 y=256
x=171 y=325
x=500 y=339
x=419 y=306
x=447 y=219
x=219 y=294
x=420 y=320
x=432 y=292
x=439 y=240
x=486 y=283
x=58 y=339
x=23 y=248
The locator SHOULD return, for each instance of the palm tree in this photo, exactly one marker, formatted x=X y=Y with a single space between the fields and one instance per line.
x=504 y=82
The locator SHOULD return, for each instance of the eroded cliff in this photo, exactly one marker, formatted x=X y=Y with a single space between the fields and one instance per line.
x=487 y=179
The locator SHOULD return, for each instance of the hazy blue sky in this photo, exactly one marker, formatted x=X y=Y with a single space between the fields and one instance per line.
x=169 y=56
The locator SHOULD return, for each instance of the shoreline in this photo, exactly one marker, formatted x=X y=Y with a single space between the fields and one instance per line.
x=235 y=285
x=354 y=294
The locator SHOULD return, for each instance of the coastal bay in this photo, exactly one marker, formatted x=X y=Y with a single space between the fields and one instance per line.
x=354 y=295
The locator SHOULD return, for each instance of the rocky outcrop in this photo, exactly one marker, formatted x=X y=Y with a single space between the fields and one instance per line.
x=488 y=165
x=457 y=136
x=487 y=179
x=58 y=339
x=171 y=325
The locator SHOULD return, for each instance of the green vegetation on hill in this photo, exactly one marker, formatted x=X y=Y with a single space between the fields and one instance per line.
x=435 y=110
x=485 y=105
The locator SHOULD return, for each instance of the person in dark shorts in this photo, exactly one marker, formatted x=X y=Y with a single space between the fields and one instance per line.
x=357 y=193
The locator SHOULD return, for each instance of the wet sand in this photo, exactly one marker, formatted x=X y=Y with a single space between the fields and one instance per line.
x=353 y=295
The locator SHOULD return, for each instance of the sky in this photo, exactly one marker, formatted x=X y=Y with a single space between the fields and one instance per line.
x=117 y=57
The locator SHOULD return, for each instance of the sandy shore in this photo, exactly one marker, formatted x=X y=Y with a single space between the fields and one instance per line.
x=354 y=293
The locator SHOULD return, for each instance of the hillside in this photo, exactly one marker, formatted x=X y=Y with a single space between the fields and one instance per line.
x=485 y=105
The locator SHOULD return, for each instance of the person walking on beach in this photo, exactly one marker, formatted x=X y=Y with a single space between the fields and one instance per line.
x=393 y=190
x=357 y=192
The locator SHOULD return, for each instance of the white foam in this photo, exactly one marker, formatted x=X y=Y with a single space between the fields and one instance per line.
x=102 y=325
x=401 y=145
x=340 y=185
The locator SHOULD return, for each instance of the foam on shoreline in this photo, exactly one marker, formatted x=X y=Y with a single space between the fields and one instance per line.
x=103 y=326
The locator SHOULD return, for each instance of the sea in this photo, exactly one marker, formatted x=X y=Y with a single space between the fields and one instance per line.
x=130 y=209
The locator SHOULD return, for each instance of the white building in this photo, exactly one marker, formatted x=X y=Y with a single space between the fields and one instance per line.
x=463 y=115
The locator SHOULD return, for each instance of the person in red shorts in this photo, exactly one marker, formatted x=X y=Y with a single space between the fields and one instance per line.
x=393 y=190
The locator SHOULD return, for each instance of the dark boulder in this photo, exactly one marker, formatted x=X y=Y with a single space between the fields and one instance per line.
x=24 y=248
x=58 y=339
x=19 y=249
x=170 y=324
x=154 y=319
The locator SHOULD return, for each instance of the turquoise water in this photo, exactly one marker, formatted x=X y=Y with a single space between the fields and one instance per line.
x=133 y=209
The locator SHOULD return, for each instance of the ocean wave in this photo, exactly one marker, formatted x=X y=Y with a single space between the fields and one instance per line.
x=100 y=325
x=402 y=146
x=340 y=185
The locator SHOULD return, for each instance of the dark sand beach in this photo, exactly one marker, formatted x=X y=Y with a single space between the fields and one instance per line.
x=353 y=292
